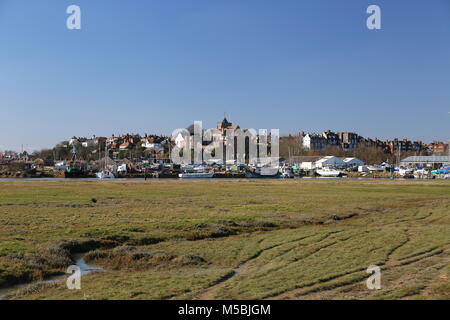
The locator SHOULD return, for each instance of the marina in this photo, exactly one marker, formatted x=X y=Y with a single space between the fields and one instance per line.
x=167 y=171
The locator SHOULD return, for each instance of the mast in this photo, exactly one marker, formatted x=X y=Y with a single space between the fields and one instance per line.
x=74 y=153
x=106 y=152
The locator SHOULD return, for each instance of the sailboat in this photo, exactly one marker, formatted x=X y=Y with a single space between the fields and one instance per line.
x=105 y=174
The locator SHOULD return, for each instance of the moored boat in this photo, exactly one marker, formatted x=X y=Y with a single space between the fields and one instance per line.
x=105 y=174
x=77 y=170
x=443 y=173
x=166 y=175
x=286 y=172
x=263 y=172
x=405 y=172
x=376 y=168
x=196 y=175
x=329 y=172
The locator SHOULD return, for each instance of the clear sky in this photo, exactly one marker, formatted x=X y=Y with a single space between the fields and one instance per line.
x=156 y=65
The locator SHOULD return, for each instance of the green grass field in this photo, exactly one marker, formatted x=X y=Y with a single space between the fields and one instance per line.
x=225 y=239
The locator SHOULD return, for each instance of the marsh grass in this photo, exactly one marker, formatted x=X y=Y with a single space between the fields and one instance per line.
x=128 y=257
x=182 y=239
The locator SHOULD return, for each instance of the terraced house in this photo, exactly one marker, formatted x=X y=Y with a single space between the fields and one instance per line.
x=350 y=141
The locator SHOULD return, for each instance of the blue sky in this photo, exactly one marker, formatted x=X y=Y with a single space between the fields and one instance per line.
x=157 y=65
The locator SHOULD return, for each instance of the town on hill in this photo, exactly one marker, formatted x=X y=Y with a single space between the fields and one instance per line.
x=135 y=152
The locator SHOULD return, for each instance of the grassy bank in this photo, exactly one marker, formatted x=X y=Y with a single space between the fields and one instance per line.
x=226 y=239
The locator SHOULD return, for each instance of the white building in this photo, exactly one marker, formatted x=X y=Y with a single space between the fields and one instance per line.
x=353 y=162
x=73 y=141
x=330 y=161
x=426 y=161
x=303 y=162
x=314 y=142
x=89 y=143
x=151 y=145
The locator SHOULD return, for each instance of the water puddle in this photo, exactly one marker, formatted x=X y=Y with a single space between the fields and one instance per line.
x=84 y=267
x=79 y=261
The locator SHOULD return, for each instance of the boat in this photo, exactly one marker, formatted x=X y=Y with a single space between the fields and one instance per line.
x=443 y=173
x=76 y=169
x=75 y=172
x=166 y=174
x=376 y=168
x=405 y=172
x=229 y=175
x=196 y=175
x=286 y=172
x=329 y=172
x=263 y=172
x=421 y=173
x=105 y=174
x=268 y=171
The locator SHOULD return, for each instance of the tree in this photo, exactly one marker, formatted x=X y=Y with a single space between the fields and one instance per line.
x=291 y=145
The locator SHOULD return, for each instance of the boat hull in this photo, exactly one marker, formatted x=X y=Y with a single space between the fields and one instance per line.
x=105 y=175
x=76 y=174
x=329 y=174
x=206 y=175
x=254 y=175
x=165 y=175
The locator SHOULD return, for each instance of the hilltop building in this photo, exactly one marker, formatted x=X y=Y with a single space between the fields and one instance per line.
x=348 y=141
x=438 y=147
